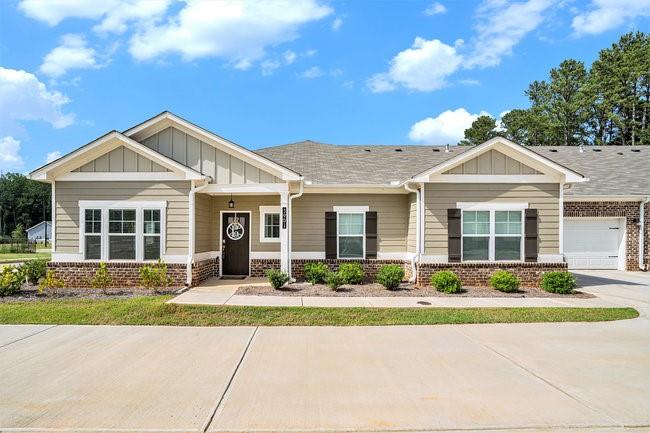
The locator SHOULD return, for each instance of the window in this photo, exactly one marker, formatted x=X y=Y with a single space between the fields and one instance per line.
x=351 y=235
x=151 y=234
x=508 y=235
x=93 y=234
x=269 y=223
x=476 y=235
x=492 y=234
x=121 y=230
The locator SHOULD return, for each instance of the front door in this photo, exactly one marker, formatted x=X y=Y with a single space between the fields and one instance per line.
x=235 y=235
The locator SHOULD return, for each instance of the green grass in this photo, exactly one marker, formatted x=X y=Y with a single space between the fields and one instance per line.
x=153 y=311
x=10 y=257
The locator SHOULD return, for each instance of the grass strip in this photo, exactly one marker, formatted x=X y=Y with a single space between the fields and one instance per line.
x=153 y=311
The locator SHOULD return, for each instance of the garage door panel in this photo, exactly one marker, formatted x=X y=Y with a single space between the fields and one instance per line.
x=592 y=243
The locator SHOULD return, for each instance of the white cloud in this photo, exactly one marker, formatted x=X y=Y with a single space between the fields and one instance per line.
x=311 y=73
x=469 y=82
x=51 y=156
x=424 y=67
x=10 y=158
x=609 y=14
x=435 y=8
x=289 y=57
x=269 y=66
x=337 y=23
x=24 y=97
x=448 y=127
x=73 y=53
x=236 y=30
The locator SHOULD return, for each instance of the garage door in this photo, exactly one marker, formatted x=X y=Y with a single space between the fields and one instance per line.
x=592 y=243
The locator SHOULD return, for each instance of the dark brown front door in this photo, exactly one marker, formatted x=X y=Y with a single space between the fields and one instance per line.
x=235 y=234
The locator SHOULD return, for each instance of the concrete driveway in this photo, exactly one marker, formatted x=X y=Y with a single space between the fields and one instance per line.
x=522 y=376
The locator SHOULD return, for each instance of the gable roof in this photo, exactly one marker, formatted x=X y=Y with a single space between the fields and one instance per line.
x=49 y=223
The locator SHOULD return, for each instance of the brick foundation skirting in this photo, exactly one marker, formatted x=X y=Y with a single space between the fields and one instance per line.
x=259 y=266
x=204 y=269
x=370 y=266
x=79 y=274
x=478 y=274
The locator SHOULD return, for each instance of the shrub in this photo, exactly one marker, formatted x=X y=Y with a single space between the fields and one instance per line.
x=277 y=278
x=334 y=280
x=102 y=279
x=351 y=273
x=316 y=273
x=11 y=280
x=34 y=270
x=504 y=281
x=50 y=284
x=154 y=277
x=559 y=282
x=446 y=281
x=390 y=276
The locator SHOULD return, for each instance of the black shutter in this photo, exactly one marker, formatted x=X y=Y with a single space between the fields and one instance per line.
x=453 y=235
x=330 y=235
x=530 y=235
x=371 y=235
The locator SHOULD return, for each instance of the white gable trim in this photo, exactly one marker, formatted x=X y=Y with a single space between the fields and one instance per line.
x=569 y=175
x=104 y=144
x=167 y=119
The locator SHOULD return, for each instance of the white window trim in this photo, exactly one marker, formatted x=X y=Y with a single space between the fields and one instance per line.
x=359 y=210
x=491 y=206
x=264 y=210
x=492 y=235
x=139 y=207
x=351 y=209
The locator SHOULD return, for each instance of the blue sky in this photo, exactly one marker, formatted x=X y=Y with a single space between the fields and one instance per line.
x=274 y=72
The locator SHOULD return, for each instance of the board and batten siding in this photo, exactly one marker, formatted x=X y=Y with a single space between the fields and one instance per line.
x=309 y=219
x=438 y=197
x=492 y=162
x=222 y=167
x=411 y=239
x=121 y=160
x=68 y=195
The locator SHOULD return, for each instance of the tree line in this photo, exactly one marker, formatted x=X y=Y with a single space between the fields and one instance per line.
x=608 y=103
x=22 y=202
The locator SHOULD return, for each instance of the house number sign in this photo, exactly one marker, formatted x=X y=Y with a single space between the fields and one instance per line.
x=235 y=231
x=284 y=217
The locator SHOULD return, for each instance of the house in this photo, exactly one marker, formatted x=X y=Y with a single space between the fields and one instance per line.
x=40 y=232
x=168 y=189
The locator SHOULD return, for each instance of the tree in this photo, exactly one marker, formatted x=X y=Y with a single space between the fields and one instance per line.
x=482 y=129
x=528 y=127
x=22 y=201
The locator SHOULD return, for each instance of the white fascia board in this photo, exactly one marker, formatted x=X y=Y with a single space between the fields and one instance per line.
x=252 y=157
x=246 y=188
x=121 y=176
x=354 y=189
x=493 y=178
x=471 y=206
x=581 y=198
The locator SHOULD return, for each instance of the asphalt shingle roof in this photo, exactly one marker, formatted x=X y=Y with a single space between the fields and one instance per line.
x=612 y=170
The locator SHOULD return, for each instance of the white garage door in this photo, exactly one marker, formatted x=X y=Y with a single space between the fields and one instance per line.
x=593 y=243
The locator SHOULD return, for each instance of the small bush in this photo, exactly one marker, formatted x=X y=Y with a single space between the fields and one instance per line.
x=334 y=280
x=11 y=280
x=390 y=276
x=559 y=282
x=102 y=279
x=316 y=273
x=351 y=273
x=50 y=285
x=277 y=278
x=446 y=282
x=154 y=277
x=34 y=270
x=504 y=281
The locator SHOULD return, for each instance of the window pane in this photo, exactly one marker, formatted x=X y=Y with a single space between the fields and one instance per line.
x=121 y=247
x=476 y=248
x=351 y=247
x=128 y=227
x=272 y=225
x=93 y=219
x=115 y=215
x=93 y=248
x=115 y=227
x=507 y=248
x=151 y=247
x=351 y=224
x=507 y=222
x=275 y=232
x=476 y=222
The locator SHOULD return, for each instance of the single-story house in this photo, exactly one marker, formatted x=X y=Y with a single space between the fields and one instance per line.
x=169 y=189
x=40 y=232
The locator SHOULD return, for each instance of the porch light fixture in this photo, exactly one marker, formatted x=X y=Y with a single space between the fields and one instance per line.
x=231 y=203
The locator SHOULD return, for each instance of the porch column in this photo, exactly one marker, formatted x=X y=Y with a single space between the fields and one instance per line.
x=284 y=232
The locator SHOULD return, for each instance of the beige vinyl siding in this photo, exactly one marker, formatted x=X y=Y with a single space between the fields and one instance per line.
x=411 y=236
x=68 y=195
x=121 y=160
x=206 y=224
x=492 y=162
x=309 y=219
x=439 y=197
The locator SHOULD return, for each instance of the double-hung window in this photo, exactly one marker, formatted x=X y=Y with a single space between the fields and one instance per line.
x=351 y=235
x=93 y=234
x=494 y=234
x=151 y=234
x=269 y=223
x=121 y=234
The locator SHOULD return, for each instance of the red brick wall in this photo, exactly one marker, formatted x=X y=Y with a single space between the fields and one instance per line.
x=370 y=266
x=259 y=266
x=79 y=274
x=204 y=269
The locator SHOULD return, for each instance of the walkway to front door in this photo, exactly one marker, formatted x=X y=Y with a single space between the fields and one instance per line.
x=235 y=242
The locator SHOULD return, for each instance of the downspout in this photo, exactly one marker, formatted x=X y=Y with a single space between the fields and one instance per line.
x=415 y=258
x=290 y=228
x=642 y=235
x=191 y=227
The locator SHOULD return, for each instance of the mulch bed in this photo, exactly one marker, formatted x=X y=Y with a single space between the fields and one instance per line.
x=31 y=294
x=376 y=290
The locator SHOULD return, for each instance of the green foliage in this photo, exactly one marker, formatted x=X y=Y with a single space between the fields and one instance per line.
x=11 y=280
x=102 y=279
x=482 y=129
x=504 y=281
x=50 y=284
x=390 y=276
x=558 y=282
x=351 y=273
x=34 y=270
x=18 y=233
x=22 y=201
x=154 y=277
x=446 y=282
x=277 y=278
x=316 y=272
x=334 y=280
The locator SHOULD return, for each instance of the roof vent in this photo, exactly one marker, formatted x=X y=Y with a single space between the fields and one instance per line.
x=597 y=150
x=436 y=150
x=367 y=150
x=398 y=150
x=619 y=153
x=553 y=150
x=582 y=149
x=636 y=150
x=447 y=148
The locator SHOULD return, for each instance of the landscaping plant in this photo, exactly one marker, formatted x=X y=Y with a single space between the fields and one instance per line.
x=559 y=282
x=102 y=279
x=390 y=276
x=11 y=280
x=154 y=277
x=334 y=280
x=50 y=285
x=351 y=273
x=316 y=272
x=34 y=270
x=446 y=282
x=504 y=281
x=277 y=278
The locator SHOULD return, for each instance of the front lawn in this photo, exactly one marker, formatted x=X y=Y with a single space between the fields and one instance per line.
x=12 y=257
x=152 y=310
